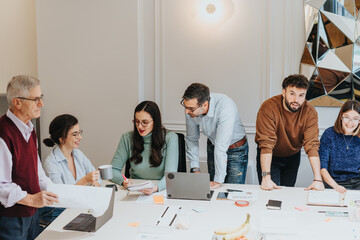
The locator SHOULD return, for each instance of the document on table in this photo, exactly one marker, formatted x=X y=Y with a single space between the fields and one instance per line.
x=248 y=195
x=139 y=186
x=150 y=198
x=95 y=199
x=328 y=197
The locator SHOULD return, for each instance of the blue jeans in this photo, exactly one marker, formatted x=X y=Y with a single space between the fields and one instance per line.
x=237 y=160
x=48 y=215
x=19 y=228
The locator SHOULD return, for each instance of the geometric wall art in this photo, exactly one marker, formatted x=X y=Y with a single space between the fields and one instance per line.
x=331 y=56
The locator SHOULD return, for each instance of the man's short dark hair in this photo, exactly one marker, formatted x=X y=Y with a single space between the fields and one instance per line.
x=199 y=91
x=296 y=80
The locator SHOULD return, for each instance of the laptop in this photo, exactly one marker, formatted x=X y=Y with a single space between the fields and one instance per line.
x=88 y=223
x=193 y=186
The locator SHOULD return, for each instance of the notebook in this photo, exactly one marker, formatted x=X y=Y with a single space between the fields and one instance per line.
x=328 y=197
x=193 y=186
x=89 y=223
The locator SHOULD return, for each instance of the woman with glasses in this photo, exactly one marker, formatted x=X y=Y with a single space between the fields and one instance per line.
x=150 y=148
x=340 y=150
x=66 y=164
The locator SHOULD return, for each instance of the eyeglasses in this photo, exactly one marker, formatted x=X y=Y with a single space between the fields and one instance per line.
x=353 y=120
x=144 y=123
x=191 y=109
x=36 y=100
x=77 y=134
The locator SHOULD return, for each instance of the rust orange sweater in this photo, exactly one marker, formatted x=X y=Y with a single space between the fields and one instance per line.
x=283 y=133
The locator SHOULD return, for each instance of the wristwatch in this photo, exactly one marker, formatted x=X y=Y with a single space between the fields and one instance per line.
x=264 y=174
x=195 y=169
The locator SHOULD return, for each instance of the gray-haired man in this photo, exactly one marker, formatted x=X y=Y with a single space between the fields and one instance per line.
x=22 y=178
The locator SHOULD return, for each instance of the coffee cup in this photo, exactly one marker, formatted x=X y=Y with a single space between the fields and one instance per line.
x=106 y=172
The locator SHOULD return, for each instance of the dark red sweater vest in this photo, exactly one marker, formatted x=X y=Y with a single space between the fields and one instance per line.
x=25 y=166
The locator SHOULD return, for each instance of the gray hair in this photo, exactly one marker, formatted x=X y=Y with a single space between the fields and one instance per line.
x=19 y=86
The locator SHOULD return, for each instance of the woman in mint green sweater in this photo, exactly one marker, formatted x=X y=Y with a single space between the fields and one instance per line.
x=151 y=149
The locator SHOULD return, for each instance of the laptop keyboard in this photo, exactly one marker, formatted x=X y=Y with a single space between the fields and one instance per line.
x=89 y=226
x=83 y=222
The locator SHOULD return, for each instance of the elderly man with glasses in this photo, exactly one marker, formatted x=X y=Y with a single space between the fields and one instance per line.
x=22 y=178
x=218 y=117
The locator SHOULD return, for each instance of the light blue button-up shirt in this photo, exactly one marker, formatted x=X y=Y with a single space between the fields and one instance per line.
x=223 y=127
x=56 y=166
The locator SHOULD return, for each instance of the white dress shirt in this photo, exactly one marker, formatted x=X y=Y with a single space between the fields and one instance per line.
x=10 y=192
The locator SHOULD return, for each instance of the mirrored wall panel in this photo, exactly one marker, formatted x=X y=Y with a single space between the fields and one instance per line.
x=331 y=56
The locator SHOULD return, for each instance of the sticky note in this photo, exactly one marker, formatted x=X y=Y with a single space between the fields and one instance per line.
x=328 y=220
x=302 y=208
x=158 y=199
x=134 y=224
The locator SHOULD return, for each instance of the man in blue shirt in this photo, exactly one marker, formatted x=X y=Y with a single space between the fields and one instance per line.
x=218 y=117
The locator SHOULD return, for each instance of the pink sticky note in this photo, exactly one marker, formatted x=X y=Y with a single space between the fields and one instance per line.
x=301 y=208
x=134 y=224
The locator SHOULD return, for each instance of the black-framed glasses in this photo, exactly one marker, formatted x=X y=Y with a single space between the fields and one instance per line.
x=353 y=120
x=77 y=133
x=36 y=100
x=144 y=123
x=191 y=109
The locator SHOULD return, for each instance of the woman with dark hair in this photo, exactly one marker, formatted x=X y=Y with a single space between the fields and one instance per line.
x=66 y=164
x=340 y=150
x=151 y=149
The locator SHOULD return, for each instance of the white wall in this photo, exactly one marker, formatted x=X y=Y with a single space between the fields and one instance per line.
x=18 y=40
x=97 y=59
x=87 y=57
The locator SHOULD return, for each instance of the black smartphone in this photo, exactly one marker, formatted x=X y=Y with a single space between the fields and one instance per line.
x=234 y=190
x=273 y=204
x=112 y=185
x=222 y=195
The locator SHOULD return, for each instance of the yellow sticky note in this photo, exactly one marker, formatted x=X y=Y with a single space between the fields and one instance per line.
x=158 y=199
x=134 y=224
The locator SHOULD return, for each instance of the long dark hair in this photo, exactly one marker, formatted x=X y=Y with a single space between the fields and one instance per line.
x=59 y=128
x=157 y=138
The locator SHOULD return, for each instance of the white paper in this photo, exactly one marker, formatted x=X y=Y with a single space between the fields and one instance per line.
x=95 y=199
x=139 y=186
x=149 y=198
x=248 y=195
x=328 y=196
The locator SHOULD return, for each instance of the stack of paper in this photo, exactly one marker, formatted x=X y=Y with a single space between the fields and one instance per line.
x=140 y=186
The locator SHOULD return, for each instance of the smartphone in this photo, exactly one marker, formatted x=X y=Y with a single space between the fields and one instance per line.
x=234 y=190
x=112 y=185
x=273 y=205
x=222 y=196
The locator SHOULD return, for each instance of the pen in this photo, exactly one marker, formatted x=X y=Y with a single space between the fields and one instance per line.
x=124 y=177
x=173 y=219
x=162 y=215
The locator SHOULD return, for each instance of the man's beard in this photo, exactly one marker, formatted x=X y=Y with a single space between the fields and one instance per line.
x=288 y=105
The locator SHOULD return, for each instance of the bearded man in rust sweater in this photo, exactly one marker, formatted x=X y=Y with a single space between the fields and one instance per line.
x=285 y=123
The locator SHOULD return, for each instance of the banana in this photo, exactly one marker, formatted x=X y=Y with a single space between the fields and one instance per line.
x=225 y=231
x=242 y=231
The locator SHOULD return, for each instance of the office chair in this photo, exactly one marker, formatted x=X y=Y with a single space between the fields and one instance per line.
x=182 y=157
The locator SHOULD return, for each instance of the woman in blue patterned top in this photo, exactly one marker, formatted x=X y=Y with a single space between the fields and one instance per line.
x=340 y=150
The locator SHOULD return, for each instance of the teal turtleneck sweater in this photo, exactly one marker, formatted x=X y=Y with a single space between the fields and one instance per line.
x=143 y=170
